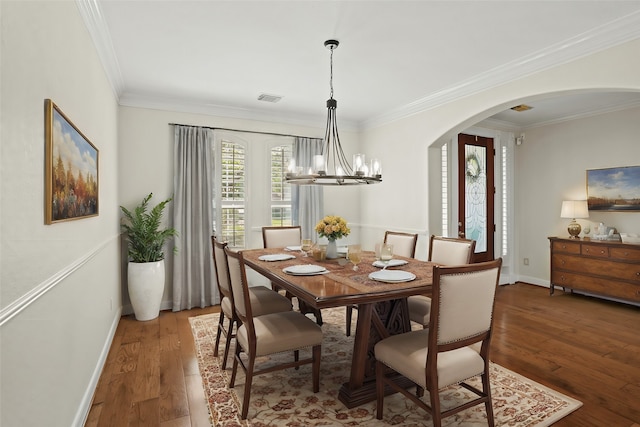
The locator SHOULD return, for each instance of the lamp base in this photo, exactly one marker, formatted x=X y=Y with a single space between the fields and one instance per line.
x=574 y=229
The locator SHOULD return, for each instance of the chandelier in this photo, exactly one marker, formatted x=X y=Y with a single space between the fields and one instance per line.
x=332 y=167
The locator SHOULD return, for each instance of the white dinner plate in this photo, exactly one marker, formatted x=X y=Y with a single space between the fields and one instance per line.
x=275 y=257
x=392 y=276
x=305 y=270
x=392 y=263
x=294 y=248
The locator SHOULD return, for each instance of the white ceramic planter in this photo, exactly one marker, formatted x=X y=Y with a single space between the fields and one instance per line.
x=146 y=286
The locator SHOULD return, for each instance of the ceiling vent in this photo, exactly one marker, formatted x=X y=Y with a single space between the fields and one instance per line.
x=521 y=107
x=269 y=98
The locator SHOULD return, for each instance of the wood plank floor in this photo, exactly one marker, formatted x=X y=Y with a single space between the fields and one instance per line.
x=584 y=347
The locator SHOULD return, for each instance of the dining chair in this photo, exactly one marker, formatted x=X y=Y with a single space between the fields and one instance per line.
x=445 y=251
x=281 y=237
x=263 y=300
x=268 y=334
x=442 y=355
x=404 y=244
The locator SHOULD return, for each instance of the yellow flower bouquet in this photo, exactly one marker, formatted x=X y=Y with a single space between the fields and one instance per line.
x=332 y=227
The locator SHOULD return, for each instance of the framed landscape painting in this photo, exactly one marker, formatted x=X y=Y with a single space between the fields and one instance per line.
x=614 y=189
x=71 y=169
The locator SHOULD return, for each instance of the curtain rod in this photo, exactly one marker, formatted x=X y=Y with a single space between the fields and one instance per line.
x=247 y=131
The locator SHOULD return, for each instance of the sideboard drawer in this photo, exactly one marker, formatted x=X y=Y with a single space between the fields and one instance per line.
x=596 y=267
x=597 y=285
x=569 y=247
x=595 y=250
x=625 y=254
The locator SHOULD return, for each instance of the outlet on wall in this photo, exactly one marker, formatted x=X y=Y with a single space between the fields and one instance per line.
x=526 y=261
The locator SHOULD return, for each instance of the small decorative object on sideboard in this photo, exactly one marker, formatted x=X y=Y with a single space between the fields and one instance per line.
x=630 y=238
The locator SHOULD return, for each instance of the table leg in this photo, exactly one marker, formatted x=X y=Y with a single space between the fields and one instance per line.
x=375 y=322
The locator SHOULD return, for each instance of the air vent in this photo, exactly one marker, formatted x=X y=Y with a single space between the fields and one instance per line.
x=269 y=98
x=521 y=107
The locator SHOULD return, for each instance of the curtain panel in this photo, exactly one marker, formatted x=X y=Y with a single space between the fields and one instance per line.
x=194 y=282
x=307 y=201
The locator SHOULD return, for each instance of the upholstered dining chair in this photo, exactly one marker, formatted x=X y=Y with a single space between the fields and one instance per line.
x=404 y=244
x=442 y=355
x=281 y=237
x=268 y=334
x=263 y=300
x=445 y=251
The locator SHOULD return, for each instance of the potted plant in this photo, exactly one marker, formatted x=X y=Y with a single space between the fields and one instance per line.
x=146 y=256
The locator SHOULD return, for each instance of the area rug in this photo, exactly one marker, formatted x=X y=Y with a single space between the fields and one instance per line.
x=285 y=398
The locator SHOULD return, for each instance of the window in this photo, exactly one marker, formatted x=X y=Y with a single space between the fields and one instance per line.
x=444 y=160
x=250 y=187
x=280 y=190
x=232 y=194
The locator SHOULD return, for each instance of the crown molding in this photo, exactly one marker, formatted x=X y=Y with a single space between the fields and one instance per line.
x=604 y=37
x=99 y=32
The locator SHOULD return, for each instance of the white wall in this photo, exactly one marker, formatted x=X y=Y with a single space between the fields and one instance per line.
x=551 y=167
x=146 y=165
x=401 y=202
x=59 y=288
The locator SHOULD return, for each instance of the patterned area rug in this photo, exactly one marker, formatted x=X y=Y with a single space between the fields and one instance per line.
x=285 y=398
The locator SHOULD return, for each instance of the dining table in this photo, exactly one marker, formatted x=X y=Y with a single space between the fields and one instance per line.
x=381 y=305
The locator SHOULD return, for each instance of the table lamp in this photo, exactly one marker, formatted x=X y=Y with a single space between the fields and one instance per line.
x=574 y=209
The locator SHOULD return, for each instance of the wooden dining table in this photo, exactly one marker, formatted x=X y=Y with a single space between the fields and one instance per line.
x=382 y=307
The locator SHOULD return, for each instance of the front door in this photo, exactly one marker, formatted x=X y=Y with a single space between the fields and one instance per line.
x=476 y=193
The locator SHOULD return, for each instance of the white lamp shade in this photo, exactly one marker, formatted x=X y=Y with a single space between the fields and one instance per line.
x=574 y=209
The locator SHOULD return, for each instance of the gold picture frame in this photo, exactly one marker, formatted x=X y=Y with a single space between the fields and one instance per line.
x=71 y=169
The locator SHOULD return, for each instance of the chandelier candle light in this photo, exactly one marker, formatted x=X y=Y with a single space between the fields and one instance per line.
x=332 y=167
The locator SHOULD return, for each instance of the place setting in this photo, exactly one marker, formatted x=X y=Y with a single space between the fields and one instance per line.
x=384 y=255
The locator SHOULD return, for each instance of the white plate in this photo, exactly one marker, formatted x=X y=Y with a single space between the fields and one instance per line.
x=392 y=276
x=305 y=270
x=275 y=257
x=392 y=263
x=294 y=248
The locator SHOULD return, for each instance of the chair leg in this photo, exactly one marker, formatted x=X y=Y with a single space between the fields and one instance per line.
x=436 y=414
x=220 y=327
x=247 y=386
x=234 y=369
x=317 y=355
x=379 y=389
x=296 y=357
x=486 y=387
x=228 y=343
x=349 y=314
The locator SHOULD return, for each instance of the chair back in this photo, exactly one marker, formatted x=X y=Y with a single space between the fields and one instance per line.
x=451 y=251
x=280 y=237
x=222 y=270
x=239 y=287
x=404 y=244
x=462 y=304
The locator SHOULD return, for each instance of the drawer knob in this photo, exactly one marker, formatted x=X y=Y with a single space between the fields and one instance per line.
x=587 y=249
x=602 y=252
x=638 y=273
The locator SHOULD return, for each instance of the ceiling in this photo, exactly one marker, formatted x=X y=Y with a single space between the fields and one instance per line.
x=395 y=57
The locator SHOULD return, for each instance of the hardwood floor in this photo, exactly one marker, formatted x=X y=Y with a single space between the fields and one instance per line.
x=584 y=347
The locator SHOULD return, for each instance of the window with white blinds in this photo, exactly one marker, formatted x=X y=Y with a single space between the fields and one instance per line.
x=232 y=194
x=280 y=190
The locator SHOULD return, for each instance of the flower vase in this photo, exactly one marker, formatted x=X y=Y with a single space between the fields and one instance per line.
x=332 y=250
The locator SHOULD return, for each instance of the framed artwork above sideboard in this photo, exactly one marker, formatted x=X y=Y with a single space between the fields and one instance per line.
x=614 y=189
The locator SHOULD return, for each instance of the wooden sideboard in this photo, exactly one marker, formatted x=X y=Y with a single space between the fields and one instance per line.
x=605 y=268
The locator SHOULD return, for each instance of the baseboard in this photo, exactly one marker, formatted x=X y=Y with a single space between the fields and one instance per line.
x=85 y=404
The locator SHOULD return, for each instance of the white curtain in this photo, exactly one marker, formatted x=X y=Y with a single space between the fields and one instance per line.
x=194 y=283
x=307 y=200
